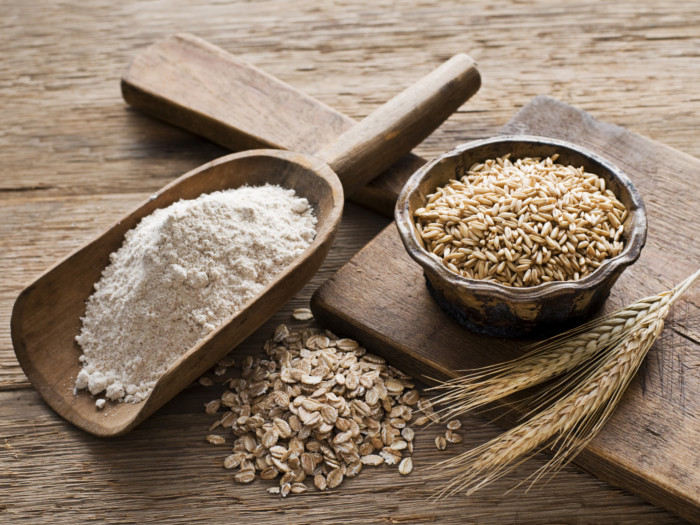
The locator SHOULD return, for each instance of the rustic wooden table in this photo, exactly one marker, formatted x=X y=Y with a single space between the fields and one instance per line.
x=73 y=158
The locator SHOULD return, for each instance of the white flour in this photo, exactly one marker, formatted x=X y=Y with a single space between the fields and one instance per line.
x=179 y=274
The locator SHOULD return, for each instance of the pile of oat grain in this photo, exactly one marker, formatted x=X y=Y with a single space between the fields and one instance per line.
x=523 y=222
x=316 y=407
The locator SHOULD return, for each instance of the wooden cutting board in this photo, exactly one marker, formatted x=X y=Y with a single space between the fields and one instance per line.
x=651 y=444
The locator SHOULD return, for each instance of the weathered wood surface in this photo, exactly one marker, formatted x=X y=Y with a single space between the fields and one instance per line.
x=650 y=445
x=190 y=83
x=74 y=158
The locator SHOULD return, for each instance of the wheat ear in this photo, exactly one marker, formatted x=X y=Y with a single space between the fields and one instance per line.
x=541 y=362
x=572 y=412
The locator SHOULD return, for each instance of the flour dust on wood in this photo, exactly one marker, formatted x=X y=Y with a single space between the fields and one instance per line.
x=180 y=273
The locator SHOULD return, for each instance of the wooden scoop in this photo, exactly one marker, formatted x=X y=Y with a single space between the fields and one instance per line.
x=46 y=315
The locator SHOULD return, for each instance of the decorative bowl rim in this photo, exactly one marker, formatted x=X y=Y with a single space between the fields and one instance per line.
x=630 y=253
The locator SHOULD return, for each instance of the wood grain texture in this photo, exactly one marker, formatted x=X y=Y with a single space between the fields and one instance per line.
x=165 y=472
x=650 y=445
x=188 y=82
x=74 y=159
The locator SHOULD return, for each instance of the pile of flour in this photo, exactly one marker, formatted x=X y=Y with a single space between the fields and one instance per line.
x=179 y=274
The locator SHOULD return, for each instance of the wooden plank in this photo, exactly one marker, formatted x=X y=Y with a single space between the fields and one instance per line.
x=165 y=472
x=611 y=60
x=650 y=445
x=73 y=157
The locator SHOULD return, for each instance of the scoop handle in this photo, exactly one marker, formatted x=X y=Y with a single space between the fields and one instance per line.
x=195 y=85
x=394 y=129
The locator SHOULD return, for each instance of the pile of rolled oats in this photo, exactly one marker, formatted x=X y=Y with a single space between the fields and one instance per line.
x=315 y=407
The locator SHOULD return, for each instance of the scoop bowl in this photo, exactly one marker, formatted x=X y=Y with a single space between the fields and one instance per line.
x=46 y=315
x=495 y=309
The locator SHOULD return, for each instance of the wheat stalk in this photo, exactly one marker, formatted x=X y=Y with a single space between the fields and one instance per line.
x=542 y=361
x=572 y=411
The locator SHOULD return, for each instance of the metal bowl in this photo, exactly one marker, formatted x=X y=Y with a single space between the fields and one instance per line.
x=495 y=309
